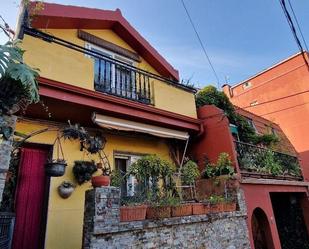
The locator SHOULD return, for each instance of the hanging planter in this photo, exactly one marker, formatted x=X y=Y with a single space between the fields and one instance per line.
x=56 y=167
x=65 y=189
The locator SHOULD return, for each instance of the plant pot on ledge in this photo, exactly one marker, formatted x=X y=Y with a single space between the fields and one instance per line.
x=229 y=206
x=100 y=181
x=156 y=213
x=216 y=207
x=200 y=208
x=182 y=210
x=133 y=213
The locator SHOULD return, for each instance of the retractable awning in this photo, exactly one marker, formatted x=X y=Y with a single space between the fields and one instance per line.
x=127 y=125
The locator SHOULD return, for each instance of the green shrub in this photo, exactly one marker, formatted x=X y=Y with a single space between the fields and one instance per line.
x=189 y=172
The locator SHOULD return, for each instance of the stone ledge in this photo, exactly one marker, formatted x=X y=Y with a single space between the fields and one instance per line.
x=149 y=224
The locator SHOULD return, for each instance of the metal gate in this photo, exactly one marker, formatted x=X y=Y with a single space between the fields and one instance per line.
x=6 y=229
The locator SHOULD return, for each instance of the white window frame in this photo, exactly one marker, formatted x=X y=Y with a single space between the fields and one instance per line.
x=116 y=57
x=131 y=181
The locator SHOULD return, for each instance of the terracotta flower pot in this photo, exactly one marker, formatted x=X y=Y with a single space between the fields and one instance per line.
x=182 y=210
x=133 y=213
x=229 y=206
x=200 y=208
x=156 y=213
x=217 y=207
x=100 y=181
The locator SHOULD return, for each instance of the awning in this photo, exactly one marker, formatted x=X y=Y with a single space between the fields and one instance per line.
x=127 y=125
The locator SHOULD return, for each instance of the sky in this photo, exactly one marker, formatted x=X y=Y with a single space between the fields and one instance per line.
x=241 y=37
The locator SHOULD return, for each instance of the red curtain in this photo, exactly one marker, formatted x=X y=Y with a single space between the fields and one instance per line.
x=29 y=199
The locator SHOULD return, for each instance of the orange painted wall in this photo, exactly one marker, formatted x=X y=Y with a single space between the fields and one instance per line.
x=285 y=88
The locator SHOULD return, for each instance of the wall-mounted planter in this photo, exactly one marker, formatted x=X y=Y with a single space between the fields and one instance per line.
x=200 y=208
x=182 y=210
x=133 y=213
x=65 y=189
x=156 y=213
x=100 y=181
x=56 y=168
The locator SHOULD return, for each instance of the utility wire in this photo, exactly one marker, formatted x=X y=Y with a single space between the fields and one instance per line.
x=292 y=27
x=201 y=43
x=298 y=26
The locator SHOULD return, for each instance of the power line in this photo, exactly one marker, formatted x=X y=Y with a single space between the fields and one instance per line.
x=201 y=43
x=292 y=27
x=273 y=100
x=298 y=26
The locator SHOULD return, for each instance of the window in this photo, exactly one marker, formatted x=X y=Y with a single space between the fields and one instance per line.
x=122 y=163
x=246 y=85
x=251 y=123
x=113 y=77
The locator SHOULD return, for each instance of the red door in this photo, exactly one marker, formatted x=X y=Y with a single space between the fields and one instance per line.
x=30 y=199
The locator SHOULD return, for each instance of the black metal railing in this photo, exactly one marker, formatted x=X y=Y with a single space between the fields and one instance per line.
x=122 y=80
x=114 y=76
x=6 y=230
x=263 y=161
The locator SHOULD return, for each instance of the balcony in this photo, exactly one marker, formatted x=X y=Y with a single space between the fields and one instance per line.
x=260 y=162
x=122 y=80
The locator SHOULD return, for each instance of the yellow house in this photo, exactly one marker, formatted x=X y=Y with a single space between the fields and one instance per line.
x=98 y=71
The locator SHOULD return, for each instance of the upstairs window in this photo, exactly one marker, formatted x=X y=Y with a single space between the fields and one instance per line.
x=251 y=123
x=110 y=76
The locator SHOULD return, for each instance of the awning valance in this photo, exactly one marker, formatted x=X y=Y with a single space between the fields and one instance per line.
x=128 y=125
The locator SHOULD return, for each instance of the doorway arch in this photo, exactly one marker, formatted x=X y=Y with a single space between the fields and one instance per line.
x=261 y=232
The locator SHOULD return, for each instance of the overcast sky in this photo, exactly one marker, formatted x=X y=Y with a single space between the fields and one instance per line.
x=242 y=37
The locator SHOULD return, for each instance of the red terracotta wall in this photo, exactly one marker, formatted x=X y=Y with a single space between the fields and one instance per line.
x=216 y=138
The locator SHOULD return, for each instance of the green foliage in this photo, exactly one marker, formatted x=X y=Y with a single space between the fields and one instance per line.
x=269 y=163
x=83 y=171
x=18 y=81
x=189 y=173
x=116 y=178
x=215 y=199
x=265 y=139
x=149 y=169
x=211 y=96
x=223 y=166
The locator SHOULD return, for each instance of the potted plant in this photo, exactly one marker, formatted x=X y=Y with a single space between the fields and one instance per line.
x=133 y=209
x=184 y=209
x=83 y=171
x=200 y=208
x=103 y=179
x=216 y=203
x=229 y=205
x=189 y=174
x=74 y=132
x=216 y=178
x=65 y=189
x=116 y=178
x=56 y=167
x=161 y=208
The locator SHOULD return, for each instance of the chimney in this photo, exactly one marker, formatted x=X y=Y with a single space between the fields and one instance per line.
x=227 y=90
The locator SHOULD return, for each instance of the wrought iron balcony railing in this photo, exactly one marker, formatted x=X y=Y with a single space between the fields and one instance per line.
x=263 y=162
x=113 y=76
x=122 y=80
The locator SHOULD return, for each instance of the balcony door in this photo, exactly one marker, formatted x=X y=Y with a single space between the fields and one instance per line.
x=112 y=77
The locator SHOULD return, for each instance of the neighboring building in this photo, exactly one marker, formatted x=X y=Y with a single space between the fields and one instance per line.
x=277 y=204
x=96 y=70
x=281 y=94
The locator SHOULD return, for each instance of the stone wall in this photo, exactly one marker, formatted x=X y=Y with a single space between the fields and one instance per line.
x=102 y=228
x=5 y=150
